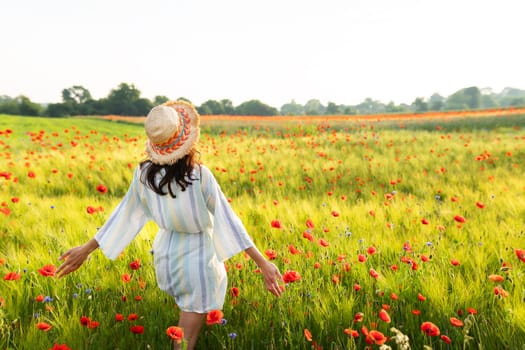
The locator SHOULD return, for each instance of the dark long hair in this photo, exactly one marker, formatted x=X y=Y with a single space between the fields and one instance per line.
x=180 y=171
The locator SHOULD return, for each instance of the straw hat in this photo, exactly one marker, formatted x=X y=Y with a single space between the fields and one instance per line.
x=172 y=129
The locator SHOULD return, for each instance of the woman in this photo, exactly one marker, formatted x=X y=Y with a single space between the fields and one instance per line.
x=198 y=229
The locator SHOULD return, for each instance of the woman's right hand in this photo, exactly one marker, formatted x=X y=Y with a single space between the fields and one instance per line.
x=75 y=257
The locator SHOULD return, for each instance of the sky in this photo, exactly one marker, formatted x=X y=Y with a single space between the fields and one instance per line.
x=276 y=51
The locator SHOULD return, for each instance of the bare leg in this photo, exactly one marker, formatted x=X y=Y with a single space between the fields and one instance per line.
x=191 y=323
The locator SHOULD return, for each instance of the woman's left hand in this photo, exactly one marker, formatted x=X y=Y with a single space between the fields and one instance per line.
x=272 y=277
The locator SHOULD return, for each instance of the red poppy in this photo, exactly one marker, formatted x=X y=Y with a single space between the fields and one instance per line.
x=430 y=329
x=126 y=277
x=135 y=264
x=394 y=296
x=234 y=292
x=374 y=273
x=501 y=292
x=323 y=242
x=60 y=347
x=44 y=326
x=91 y=210
x=460 y=219
x=48 y=270
x=351 y=332
x=93 y=324
x=421 y=297
x=472 y=311
x=357 y=287
x=446 y=339
x=424 y=258
x=384 y=316
x=307 y=334
x=271 y=254
x=137 y=329
x=496 y=278
x=317 y=265
x=12 y=276
x=291 y=276
x=456 y=322
x=361 y=258
x=480 y=205
x=293 y=250
x=39 y=298
x=425 y=221
x=416 y=312
x=84 y=320
x=520 y=253
x=133 y=317
x=276 y=224
x=308 y=236
x=102 y=189
x=335 y=213
x=358 y=317
x=377 y=337
x=454 y=262
x=175 y=333
x=214 y=317
x=119 y=317
x=310 y=224
x=371 y=250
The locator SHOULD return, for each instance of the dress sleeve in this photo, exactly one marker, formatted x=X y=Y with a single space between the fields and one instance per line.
x=229 y=234
x=124 y=223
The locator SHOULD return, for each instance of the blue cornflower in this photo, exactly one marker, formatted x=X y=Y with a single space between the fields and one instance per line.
x=232 y=335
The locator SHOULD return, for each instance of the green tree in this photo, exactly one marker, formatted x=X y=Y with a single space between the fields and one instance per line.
x=419 y=105
x=143 y=106
x=313 y=107
x=59 y=110
x=8 y=105
x=292 y=108
x=332 y=109
x=158 y=100
x=255 y=107
x=369 y=106
x=228 y=107
x=391 y=107
x=468 y=98
x=436 y=102
x=28 y=108
x=124 y=101
x=76 y=95
x=211 y=107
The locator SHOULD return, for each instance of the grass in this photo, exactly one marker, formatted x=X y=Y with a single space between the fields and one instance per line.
x=384 y=184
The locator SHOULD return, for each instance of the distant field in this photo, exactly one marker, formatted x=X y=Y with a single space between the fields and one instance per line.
x=415 y=223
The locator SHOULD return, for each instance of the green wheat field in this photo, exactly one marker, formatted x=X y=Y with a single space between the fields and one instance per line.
x=385 y=229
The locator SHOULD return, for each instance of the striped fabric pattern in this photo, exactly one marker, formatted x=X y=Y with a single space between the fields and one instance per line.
x=198 y=231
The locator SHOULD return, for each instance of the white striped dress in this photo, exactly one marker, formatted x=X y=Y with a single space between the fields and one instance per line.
x=198 y=230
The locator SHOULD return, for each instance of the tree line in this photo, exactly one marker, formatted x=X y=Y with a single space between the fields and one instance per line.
x=126 y=100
